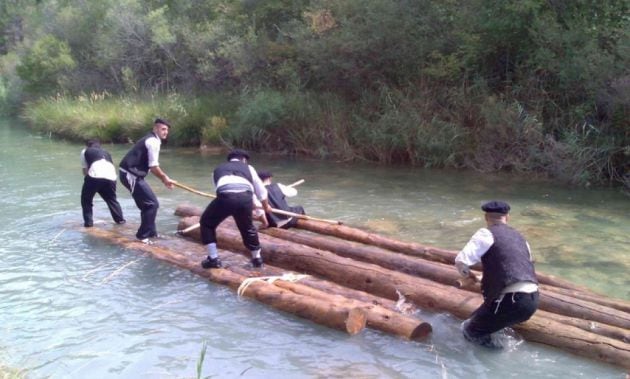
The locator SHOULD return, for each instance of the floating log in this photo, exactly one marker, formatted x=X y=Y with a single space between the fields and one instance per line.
x=605 y=330
x=378 y=317
x=322 y=302
x=447 y=274
x=347 y=318
x=424 y=293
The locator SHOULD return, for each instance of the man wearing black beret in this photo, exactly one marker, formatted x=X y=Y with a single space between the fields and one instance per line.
x=236 y=183
x=508 y=284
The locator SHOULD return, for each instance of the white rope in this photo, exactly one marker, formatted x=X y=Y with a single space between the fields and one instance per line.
x=288 y=277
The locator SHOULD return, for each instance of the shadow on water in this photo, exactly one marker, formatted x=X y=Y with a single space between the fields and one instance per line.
x=74 y=307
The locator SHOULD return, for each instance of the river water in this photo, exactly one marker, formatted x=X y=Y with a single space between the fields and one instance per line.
x=74 y=307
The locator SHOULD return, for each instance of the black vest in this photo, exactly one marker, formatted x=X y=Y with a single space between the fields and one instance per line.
x=237 y=168
x=93 y=154
x=277 y=200
x=137 y=159
x=506 y=262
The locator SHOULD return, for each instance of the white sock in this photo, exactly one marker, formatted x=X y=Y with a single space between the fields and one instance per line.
x=256 y=254
x=212 y=250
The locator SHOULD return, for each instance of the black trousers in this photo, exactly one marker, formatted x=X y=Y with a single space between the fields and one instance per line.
x=148 y=204
x=491 y=317
x=238 y=205
x=107 y=190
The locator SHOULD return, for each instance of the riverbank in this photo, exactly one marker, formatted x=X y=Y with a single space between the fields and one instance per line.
x=324 y=127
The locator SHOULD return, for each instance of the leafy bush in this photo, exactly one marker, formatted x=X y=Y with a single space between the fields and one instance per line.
x=45 y=64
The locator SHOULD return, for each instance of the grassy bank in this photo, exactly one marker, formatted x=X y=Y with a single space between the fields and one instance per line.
x=122 y=119
x=424 y=127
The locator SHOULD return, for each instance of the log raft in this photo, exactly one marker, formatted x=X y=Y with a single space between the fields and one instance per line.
x=323 y=303
x=560 y=331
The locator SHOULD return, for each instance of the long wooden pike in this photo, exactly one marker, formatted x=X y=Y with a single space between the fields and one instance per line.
x=274 y=210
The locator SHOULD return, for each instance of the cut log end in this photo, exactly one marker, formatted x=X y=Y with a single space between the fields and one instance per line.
x=421 y=332
x=356 y=321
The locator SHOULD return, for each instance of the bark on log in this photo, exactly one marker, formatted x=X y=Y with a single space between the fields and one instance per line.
x=346 y=317
x=617 y=333
x=378 y=317
x=424 y=293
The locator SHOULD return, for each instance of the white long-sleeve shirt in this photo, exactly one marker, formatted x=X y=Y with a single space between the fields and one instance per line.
x=476 y=248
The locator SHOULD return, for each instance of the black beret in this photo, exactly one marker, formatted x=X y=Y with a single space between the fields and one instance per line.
x=93 y=142
x=162 y=121
x=237 y=153
x=496 y=207
x=264 y=174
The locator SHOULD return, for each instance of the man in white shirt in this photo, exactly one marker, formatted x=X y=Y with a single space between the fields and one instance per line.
x=135 y=166
x=99 y=177
x=508 y=284
x=236 y=183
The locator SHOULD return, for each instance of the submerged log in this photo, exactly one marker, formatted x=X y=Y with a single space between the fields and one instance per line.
x=323 y=311
x=424 y=293
x=447 y=274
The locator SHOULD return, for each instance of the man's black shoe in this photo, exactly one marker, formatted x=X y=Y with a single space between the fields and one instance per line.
x=121 y=222
x=257 y=262
x=211 y=263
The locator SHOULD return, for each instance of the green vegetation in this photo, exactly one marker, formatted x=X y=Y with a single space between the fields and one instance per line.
x=527 y=86
x=11 y=373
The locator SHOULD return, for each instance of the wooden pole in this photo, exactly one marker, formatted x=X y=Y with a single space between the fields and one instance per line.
x=274 y=210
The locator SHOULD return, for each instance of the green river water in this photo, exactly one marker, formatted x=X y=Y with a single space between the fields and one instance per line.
x=75 y=307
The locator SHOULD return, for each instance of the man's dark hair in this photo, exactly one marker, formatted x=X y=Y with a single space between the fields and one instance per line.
x=162 y=121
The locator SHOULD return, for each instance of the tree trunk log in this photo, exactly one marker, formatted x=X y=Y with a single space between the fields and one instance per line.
x=424 y=293
x=345 y=317
x=378 y=317
x=441 y=273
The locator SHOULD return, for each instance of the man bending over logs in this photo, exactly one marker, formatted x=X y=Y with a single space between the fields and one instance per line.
x=99 y=177
x=508 y=284
x=236 y=182
x=277 y=194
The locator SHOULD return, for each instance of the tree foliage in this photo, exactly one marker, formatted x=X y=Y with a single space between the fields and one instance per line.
x=411 y=69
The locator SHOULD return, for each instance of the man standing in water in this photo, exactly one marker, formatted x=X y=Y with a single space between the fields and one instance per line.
x=135 y=166
x=99 y=177
x=235 y=182
x=509 y=284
